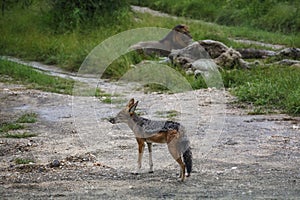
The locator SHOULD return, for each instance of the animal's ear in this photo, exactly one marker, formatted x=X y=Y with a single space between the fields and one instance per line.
x=130 y=103
x=133 y=107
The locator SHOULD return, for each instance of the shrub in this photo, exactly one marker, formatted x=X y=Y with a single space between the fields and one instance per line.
x=271 y=15
x=282 y=17
x=71 y=14
x=6 y=5
x=270 y=87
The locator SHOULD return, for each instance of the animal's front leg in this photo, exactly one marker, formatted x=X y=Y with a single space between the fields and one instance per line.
x=150 y=157
x=141 y=146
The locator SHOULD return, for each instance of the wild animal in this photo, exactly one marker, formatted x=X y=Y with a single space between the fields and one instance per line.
x=150 y=131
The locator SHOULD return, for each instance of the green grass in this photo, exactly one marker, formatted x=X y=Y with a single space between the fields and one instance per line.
x=109 y=98
x=34 y=79
x=267 y=88
x=28 y=37
x=4 y=128
x=27 y=118
x=170 y=114
x=20 y=135
x=276 y=16
x=20 y=161
x=155 y=87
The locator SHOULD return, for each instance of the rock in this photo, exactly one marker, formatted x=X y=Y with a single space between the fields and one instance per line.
x=223 y=55
x=289 y=62
x=55 y=163
x=292 y=53
x=214 y=48
x=197 y=57
x=230 y=142
x=255 y=53
x=178 y=38
x=192 y=52
x=230 y=58
x=204 y=65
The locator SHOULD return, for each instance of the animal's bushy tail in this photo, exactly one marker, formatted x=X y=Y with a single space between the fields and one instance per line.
x=187 y=158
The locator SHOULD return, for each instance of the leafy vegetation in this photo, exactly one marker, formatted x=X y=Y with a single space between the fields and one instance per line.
x=34 y=79
x=270 y=15
x=170 y=114
x=20 y=161
x=267 y=88
x=6 y=128
x=27 y=118
x=65 y=15
x=20 y=135
x=31 y=35
x=64 y=32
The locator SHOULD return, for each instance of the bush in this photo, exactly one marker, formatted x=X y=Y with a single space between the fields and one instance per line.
x=282 y=17
x=71 y=14
x=7 y=5
x=270 y=15
x=269 y=88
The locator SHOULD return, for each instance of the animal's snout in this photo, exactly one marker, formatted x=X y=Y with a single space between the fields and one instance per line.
x=112 y=120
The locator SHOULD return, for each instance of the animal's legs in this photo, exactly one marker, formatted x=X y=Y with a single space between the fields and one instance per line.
x=141 y=146
x=172 y=140
x=150 y=157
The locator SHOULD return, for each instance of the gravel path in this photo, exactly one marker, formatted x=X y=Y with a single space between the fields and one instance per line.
x=235 y=155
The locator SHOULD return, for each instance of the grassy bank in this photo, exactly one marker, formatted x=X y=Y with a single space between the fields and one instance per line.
x=17 y=73
x=24 y=34
x=8 y=129
x=271 y=15
x=268 y=89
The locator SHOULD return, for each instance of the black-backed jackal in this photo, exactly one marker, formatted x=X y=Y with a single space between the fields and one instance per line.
x=149 y=131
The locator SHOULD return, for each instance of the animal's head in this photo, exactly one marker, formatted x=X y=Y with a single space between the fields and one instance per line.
x=126 y=113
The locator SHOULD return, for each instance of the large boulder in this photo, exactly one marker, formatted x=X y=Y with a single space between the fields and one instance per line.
x=290 y=53
x=178 y=38
x=231 y=58
x=287 y=53
x=252 y=53
x=214 y=48
x=192 y=58
x=186 y=56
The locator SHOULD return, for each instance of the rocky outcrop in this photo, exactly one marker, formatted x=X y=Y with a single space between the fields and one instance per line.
x=178 y=38
x=287 y=53
x=192 y=57
x=255 y=53
x=179 y=47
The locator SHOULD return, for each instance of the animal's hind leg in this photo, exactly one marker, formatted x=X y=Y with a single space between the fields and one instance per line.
x=172 y=140
x=182 y=168
x=177 y=156
x=150 y=157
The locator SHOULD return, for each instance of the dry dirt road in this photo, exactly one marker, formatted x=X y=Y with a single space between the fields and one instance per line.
x=78 y=154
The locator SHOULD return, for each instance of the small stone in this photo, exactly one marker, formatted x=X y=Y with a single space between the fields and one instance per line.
x=55 y=163
x=230 y=142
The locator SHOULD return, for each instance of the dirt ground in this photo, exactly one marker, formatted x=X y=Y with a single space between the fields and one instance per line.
x=250 y=157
